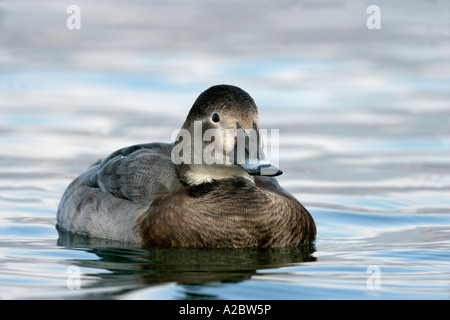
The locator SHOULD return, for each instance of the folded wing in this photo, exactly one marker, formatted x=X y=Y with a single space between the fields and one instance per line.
x=138 y=173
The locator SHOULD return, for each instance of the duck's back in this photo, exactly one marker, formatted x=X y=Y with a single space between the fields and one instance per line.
x=107 y=199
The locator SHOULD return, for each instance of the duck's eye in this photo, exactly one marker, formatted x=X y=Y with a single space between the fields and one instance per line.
x=215 y=117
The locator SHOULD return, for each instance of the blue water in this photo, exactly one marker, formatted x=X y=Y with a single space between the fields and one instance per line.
x=364 y=120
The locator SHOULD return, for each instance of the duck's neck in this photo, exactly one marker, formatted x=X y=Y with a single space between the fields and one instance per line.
x=201 y=189
x=197 y=175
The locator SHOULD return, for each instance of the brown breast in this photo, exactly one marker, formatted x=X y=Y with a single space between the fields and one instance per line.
x=227 y=213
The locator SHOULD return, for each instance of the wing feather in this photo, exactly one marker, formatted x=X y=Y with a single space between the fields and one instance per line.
x=138 y=173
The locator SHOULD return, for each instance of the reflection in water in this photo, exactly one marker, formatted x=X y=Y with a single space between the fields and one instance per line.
x=131 y=268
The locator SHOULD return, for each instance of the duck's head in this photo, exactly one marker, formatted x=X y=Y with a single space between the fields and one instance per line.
x=220 y=139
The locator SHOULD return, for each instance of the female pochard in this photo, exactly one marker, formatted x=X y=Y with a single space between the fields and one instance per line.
x=213 y=187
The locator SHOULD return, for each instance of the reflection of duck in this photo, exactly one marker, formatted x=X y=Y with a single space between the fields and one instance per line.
x=134 y=267
x=139 y=195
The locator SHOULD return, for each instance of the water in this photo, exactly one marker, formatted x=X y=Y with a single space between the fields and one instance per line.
x=364 y=120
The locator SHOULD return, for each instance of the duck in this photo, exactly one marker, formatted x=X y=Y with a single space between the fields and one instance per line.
x=173 y=194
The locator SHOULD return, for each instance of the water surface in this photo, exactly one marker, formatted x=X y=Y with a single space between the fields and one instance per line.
x=364 y=141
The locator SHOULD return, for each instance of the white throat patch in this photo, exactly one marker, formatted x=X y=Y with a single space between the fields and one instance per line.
x=199 y=174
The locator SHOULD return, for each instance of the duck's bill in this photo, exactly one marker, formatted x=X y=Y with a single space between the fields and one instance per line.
x=248 y=153
x=261 y=169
